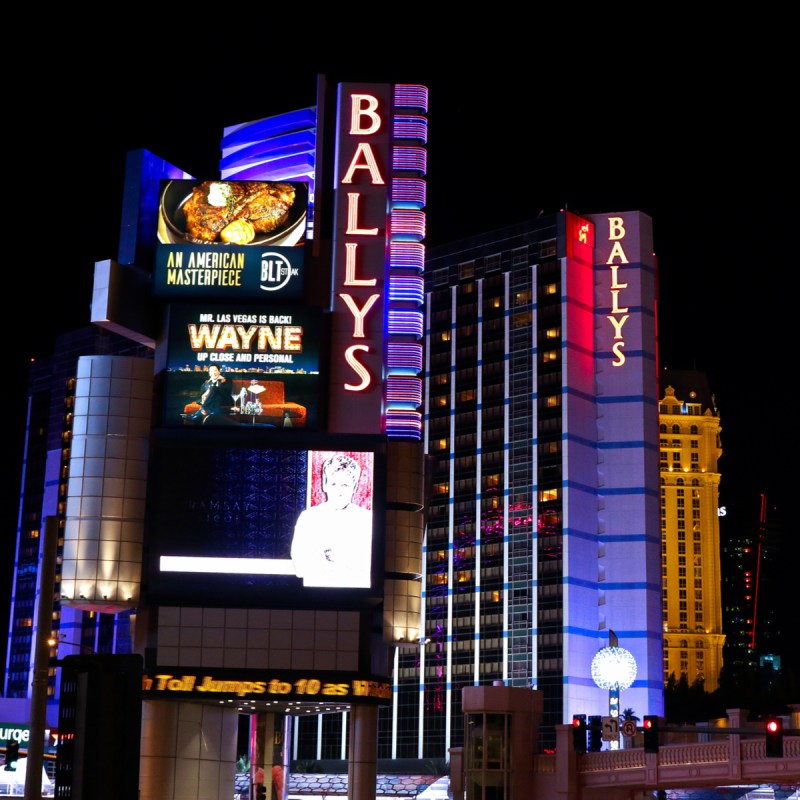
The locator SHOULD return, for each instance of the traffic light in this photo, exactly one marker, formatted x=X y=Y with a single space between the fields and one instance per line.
x=261 y=791
x=579 y=733
x=650 y=728
x=12 y=755
x=773 y=731
x=595 y=734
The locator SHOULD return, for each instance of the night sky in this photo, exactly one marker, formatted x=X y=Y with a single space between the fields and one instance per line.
x=697 y=132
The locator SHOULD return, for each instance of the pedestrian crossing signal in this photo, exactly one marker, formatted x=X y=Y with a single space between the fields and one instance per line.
x=12 y=755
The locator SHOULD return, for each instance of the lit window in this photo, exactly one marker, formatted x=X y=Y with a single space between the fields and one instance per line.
x=548 y=495
x=552 y=333
x=549 y=356
x=553 y=401
x=550 y=288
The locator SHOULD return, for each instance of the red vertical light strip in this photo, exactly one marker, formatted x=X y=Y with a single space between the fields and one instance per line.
x=762 y=524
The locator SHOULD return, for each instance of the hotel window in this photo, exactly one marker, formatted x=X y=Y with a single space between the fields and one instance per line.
x=493 y=262
x=466 y=270
x=695 y=460
x=547 y=248
x=676 y=459
x=442 y=444
x=694 y=443
x=676 y=428
x=440 y=580
x=441 y=488
x=548 y=495
x=693 y=430
x=549 y=356
x=522 y=319
x=550 y=288
x=522 y=298
x=552 y=333
x=553 y=401
x=444 y=336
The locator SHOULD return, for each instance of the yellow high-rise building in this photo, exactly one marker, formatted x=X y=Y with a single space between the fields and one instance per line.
x=690 y=547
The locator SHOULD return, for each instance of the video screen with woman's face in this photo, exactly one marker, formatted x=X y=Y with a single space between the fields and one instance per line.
x=238 y=520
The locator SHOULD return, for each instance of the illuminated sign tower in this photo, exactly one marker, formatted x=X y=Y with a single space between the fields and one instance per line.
x=252 y=493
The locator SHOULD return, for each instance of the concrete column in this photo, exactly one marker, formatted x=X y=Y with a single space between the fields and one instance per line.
x=737 y=717
x=188 y=751
x=362 y=769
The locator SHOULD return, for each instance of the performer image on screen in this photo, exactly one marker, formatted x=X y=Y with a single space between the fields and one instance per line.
x=215 y=397
x=332 y=543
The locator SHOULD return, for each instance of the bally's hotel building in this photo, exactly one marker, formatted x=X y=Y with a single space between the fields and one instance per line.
x=542 y=541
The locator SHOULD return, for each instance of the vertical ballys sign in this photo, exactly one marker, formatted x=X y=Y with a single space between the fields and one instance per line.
x=362 y=181
x=619 y=312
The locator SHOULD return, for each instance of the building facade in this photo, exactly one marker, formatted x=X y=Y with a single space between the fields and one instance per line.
x=43 y=493
x=689 y=425
x=541 y=437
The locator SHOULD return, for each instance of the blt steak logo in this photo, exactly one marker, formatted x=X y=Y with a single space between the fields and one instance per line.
x=276 y=271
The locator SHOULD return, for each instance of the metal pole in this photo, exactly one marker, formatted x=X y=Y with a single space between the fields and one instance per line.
x=41 y=663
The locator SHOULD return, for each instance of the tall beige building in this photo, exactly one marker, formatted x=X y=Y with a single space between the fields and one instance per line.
x=690 y=547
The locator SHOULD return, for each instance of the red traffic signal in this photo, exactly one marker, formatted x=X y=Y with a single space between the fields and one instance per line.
x=773 y=737
x=579 y=733
x=650 y=728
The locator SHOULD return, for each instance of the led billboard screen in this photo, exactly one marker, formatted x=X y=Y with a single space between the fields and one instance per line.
x=242 y=365
x=262 y=526
x=231 y=239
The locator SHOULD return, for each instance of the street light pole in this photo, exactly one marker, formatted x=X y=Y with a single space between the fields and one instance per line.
x=41 y=662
